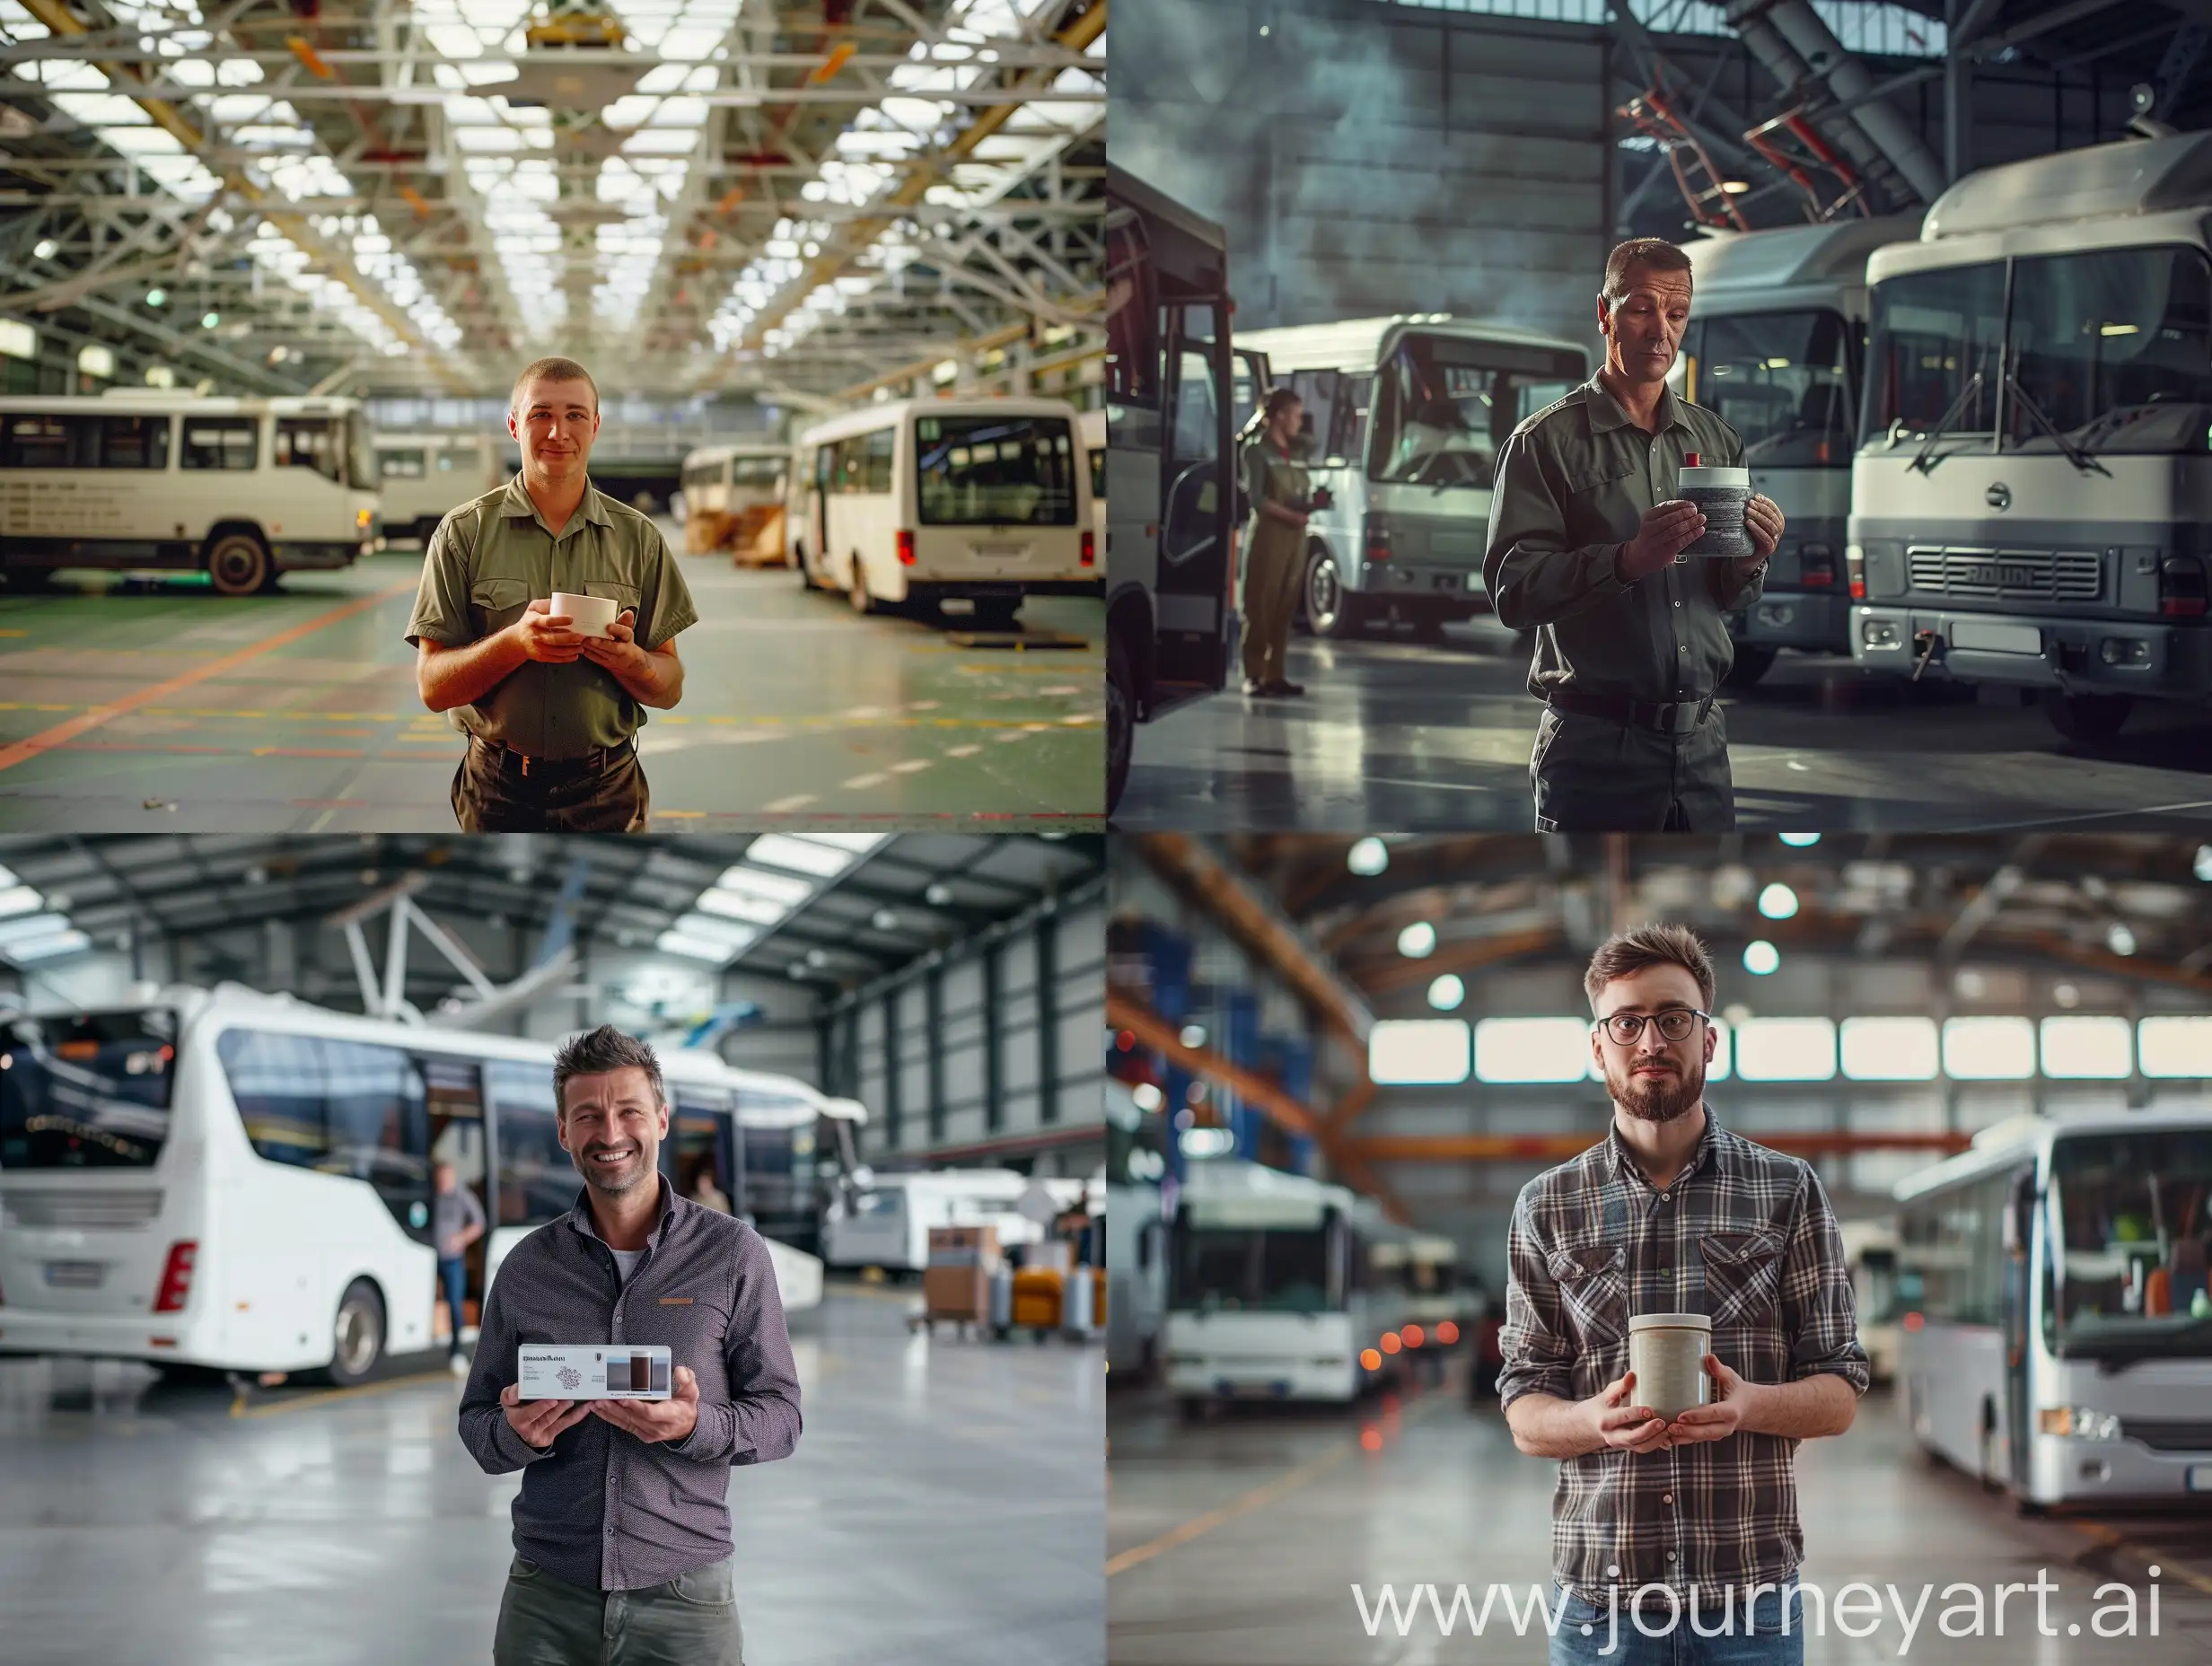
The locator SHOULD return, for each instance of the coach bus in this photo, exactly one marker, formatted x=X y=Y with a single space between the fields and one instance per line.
x=425 y=477
x=733 y=496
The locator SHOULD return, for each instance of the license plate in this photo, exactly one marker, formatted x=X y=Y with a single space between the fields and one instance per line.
x=76 y=1274
x=1001 y=552
x=2199 y=1479
x=1474 y=580
x=1988 y=636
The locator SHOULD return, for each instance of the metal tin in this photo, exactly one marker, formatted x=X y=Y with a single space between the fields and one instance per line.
x=1721 y=495
x=1666 y=1351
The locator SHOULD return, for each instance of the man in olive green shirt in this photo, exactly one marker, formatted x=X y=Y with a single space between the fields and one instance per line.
x=551 y=714
x=1586 y=547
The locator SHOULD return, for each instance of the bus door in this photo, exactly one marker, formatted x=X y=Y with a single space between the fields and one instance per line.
x=1194 y=600
x=818 y=511
x=700 y=1156
x=2013 y=1298
x=460 y=1134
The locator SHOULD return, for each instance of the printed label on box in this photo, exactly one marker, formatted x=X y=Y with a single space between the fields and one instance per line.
x=593 y=1372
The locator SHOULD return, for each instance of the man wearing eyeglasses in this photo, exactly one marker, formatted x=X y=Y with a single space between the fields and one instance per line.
x=1674 y=1213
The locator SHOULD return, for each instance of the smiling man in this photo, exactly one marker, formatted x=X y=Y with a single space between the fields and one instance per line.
x=552 y=715
x=1673 y=1213
x=622 y=1528
x=1586 y=541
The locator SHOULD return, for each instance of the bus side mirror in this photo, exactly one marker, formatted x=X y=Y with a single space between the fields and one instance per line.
x=2020 y=1222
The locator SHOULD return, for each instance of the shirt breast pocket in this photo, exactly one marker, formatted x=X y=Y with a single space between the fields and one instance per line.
x=497 y=603
x=1593 y=1288
x=623 y=595
x=1594 y=480
x=1743 y=1277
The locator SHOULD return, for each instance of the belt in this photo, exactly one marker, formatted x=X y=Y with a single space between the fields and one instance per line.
x=1666 y=716
x=600 y=759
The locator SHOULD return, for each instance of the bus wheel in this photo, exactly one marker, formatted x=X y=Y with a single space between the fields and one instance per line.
x=1752 y=662
x=1330 y=609
x=2086 y=718
x=997 y=612
x=238 y=564
x=1120 y=720
x=358 y=1336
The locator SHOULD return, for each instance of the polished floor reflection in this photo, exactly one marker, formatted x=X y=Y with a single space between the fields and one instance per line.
x=1397 y=734
x=943 y=1507
x=1293 y=1511
x=131 y=705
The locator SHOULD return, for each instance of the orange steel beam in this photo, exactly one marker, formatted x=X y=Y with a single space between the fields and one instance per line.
x=1346 y=1109
x=1556 y=1147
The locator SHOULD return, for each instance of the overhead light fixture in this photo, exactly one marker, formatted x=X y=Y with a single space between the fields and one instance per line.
x=1368 y=857
x=1447 y=993
x=19 y=899
x=46 y=948
x=46 y=249
x=1735 y=187
x=804 y=855
x=157 y=297
x=690 y=948
x=732 y=905
x=1148 y=1097
x=208 y=321
x=24 y=927
x=731 y=935
x=1760 y=957
x=2120 y=939
x=884 y=920
x=1778 y=902
x=1801 y=841
x=744 y=882
x=1193 y=1035
x=1418 y=942
x=2204 y=862
x=938 y=895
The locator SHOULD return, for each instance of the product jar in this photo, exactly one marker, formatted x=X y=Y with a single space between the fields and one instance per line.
x=1666 y=1351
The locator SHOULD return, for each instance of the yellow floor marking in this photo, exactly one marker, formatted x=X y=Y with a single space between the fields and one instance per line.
x=240 y=1407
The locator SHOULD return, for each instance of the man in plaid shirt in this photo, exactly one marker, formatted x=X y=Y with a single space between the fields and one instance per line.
x=1672 y=1213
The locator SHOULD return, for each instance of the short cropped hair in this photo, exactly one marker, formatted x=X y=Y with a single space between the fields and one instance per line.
x=551 y=370
x=1626 y=953
x=1654 y=252
x=598 y=1051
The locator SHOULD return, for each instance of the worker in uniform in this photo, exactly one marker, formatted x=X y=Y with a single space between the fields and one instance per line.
x=552 y=715
x=1274 y=484
x=1585 y=546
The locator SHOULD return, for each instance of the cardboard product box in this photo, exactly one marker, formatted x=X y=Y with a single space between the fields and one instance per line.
x=963 y=1246
x=960 y=1293
x=594 y=1370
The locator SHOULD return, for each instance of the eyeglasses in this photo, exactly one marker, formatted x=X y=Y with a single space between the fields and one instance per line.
x=1675 y=1023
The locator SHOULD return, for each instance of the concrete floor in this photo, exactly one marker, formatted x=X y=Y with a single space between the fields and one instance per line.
x=1396 y=734
x=1292 y=1511
x=943 y=1506
x=135 y=705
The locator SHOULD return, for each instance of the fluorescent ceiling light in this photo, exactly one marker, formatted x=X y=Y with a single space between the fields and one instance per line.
x=733 y=935
x=755 y=883
x=19 y=899
x=23 y=928
x=691 y=948
x=731 y=906
x=781 y=850
x=42 y=948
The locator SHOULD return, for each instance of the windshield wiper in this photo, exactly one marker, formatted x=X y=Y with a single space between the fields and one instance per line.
x=1923 y=462
x=2074 y=454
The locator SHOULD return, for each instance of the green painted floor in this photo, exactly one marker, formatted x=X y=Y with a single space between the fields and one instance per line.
x=126 y=705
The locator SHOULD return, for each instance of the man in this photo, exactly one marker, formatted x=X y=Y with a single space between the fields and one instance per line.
x=456 y=1221
x=551 y=714
x=1585 y=533
x=1674 y=1213
x=1275 y=483
x=622 y=1529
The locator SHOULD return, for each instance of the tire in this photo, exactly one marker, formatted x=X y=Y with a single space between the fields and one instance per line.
x=1752 y=662
x=1120 y=720
x=2089 y=718
x=997 y=612
x=357 y=1335
x=238 y=564
x=1330 y=610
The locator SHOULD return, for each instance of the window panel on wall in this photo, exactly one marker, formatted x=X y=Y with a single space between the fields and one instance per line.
x=1785 y=1049
x=2082 y=1047
x=1989 y=1049
x=1889 y=1049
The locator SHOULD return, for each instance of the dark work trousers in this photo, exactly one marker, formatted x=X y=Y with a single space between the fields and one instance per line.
x=1593 y=775
x=689 y=1620
x=492 y=794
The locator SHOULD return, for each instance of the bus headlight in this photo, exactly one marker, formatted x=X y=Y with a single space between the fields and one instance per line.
x=361 y=520
x=2082 y=1423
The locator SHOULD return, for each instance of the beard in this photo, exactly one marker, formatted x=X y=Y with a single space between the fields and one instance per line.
x=618 y=1179
x=1657 y=1098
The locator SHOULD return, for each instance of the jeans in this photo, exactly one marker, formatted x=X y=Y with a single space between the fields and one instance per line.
x=453 y=1279
x=1614 y=1640
x=689 y=1620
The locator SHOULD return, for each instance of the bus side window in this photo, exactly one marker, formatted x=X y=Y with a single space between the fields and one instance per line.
x=878 y=457
x=222 y=442
x=537 y=1180
x=1349 y=418
x=134 y=441
x=404 y=465
x=826 y=467
x=337 y=1107
x=41 y=441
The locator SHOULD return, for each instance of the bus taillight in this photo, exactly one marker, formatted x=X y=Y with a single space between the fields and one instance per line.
x=1090 y=549
x=2181 y=588
x=177 y=1278
x=1913 y=1321
x=906 y=546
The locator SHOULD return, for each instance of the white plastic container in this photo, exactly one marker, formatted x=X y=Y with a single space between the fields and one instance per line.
x=587 y=616
x=1666 y=1351
x=1722 y=495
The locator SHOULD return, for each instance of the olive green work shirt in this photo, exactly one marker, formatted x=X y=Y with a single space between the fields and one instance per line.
x=490 y=558
x=1272 y=475
x=1573 y=483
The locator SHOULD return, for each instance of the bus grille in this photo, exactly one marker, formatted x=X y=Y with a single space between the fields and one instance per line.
x=2008 y=575
x=2169 y=1434
x=111 y=1211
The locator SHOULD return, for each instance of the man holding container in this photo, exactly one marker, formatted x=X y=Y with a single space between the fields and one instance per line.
x=552 y=744
x=1682 y=1511
x=622 y=1529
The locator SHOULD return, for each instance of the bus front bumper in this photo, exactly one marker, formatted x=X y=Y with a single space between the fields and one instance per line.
x=1261 y=1380
x=2064 y=1469
x=2078 y=655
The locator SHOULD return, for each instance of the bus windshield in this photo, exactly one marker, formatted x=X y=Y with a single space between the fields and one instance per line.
x=1444 y=405
x=2135 y=1214
x=88 y=1092
x=1783 y=382
x=996 y=470
x=2111 y=348
x=360 y=452
x=1251 y=1270
x=317 y=443
x=1931 y=334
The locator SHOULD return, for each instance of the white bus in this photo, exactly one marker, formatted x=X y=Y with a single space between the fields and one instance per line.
x=1870 y=1251
x=977 y=503
x=1406 y=417
x=425 y=477
x=222 y=1177
x=243 y=489
x=1776 y=346
x=2056 y=1333
x=1276 y=1290
x=2028 y=503
x=1092 y=426
x=733 y=497
x=886 y=1223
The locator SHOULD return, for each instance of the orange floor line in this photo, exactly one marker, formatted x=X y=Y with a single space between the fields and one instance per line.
x=62 y=733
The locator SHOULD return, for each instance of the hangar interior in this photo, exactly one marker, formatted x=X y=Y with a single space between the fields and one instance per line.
x=744 y=219
x=750 y=964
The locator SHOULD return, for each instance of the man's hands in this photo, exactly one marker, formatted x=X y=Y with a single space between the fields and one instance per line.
x=1665 y=532
x=617 y=652
x=541 y=1421
x=1615 y=1422
x=1762 y=518
x=544 y=636
x=671 y=1419
x=1719 y=1420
